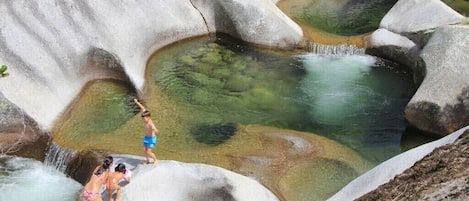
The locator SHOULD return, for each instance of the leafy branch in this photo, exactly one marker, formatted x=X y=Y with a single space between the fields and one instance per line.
x=3 y=71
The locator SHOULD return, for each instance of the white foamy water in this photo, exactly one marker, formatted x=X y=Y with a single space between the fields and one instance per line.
x=332 y=85
x=58 y=157
x=26 y=180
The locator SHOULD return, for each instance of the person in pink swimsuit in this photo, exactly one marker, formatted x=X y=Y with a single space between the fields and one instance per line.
x=91 y=191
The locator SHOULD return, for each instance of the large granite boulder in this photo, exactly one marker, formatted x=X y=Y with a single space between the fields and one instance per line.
x=412 y=20
x=441 y=104
x=53 y=48
x=392 y=46
x=19 y=133
x=178 y=181
x=415 y=17
x=259 y=22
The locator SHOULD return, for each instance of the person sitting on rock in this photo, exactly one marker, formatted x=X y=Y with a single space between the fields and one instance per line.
x=114 y=178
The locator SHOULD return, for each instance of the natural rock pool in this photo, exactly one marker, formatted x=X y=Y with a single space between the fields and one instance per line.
x=254 y=111
x=205 y=93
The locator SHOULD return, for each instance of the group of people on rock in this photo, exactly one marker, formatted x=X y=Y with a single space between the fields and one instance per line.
x=103 y=177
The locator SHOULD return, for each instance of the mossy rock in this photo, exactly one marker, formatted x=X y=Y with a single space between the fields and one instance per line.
x=214 y=46
x=238 y=83
x=214 y=134
x=239 y=65
x=187 y=60
x=221 y=73
x=264 y=98
x=201 y=96
x=213 y=57
x=204 y=80
x=203 y=68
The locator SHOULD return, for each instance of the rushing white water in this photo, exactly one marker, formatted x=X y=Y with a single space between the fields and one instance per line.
x=331 y=84
x=58 y=157
x=26 y=179
x=322 y=49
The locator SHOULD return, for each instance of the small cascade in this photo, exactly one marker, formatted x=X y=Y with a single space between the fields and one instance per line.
x=343 y=49
x=58 y=157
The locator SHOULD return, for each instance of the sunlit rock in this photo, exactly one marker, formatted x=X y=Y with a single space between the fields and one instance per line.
x=441 y=104
x=19 y=133
x=260 y=22
x=177 y=181
x=54 y=48
x=412 y=16
x=388 y=45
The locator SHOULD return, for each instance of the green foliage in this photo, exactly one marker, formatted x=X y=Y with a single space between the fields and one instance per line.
x=3 y=71
x=461 y=6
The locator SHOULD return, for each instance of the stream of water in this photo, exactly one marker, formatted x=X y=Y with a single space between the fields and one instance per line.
x=26 y=179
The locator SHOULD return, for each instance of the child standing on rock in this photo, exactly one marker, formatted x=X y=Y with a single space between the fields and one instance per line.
x=150 y=138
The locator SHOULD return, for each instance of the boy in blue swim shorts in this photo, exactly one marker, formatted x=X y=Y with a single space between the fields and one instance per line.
x=149 y=141
x=150 y=138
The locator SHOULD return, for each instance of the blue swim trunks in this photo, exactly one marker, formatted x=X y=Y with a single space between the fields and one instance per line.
x=149 y=141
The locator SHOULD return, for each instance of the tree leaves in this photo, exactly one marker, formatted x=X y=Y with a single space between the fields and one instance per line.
x=3 y=71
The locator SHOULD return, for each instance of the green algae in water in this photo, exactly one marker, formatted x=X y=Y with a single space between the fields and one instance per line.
x=235 y=85
x=324 y=179
x=103 y=107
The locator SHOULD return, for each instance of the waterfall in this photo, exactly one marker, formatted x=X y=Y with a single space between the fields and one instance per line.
x=58 y=157
x=335 y=49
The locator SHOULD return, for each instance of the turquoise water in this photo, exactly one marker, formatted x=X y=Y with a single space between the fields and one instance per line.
x=26 y=179
x=358 y=101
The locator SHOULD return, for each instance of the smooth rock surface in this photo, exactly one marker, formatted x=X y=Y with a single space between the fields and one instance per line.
x=441 y=104
x=392 y=46
x=410 y=16
x=178 y=181
x=49 y=46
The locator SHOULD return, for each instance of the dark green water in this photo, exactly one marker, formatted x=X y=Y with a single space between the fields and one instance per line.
x=340 y=17
x=461 y=6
